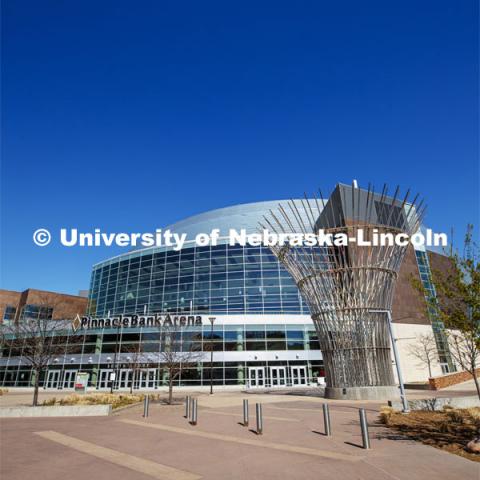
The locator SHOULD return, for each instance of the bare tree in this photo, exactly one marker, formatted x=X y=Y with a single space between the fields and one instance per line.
x=134 y=360
x=39 y=341
x=465 y=350
x=425 y=350
x=176 y=353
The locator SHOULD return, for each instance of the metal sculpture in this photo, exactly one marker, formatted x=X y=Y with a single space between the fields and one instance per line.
x=349 y=288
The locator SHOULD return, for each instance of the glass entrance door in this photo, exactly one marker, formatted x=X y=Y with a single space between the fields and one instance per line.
x=299 y=375
x=256 y=377
x=69 y=378
x=278 y=376
x=151 y=377
x=124 y=378
x=53 y=379
x=103 y=379
x=146 y=378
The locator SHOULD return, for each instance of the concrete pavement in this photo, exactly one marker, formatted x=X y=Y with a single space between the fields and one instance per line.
x=166 y=446
x=224 y=397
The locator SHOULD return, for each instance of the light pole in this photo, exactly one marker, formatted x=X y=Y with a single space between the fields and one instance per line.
x=403 y=397
x=212 y=321
x=115 y=360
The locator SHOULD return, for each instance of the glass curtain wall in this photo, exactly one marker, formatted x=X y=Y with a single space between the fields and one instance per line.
x=217 y=280
x=97 y=350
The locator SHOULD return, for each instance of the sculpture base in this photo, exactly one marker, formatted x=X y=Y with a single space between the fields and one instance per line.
x=363 y=393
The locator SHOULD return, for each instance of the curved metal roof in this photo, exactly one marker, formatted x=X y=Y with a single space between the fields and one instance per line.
x=237 y=217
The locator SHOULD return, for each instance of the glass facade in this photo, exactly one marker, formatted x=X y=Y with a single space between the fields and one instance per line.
x=218 y=280
x=438 y=327
x=109 y=350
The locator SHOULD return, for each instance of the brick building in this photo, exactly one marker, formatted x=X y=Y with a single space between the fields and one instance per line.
x=32 y=303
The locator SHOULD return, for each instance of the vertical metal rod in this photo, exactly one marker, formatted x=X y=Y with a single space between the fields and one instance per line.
x=211 y=365
x=405 y=409
x=194 y=411
x=326 y=420
x=187 y=407
x=212 y=321
x=364 y=427
x=114 y=370
x=146 y=401
x=258 y=409
x=245 y=413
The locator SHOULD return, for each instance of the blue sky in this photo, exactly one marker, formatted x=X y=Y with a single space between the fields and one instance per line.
x=128 y=116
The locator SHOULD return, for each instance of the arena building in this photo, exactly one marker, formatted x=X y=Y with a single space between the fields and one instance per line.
x=236 y=301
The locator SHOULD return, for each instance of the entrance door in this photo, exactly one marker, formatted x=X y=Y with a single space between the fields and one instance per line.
x=256 y=377
x=147 y=378
x=69 y=378
x=124 y=378
x=103 y=379
x=299 y=375
x=278 y=376
x=151 y=377
x=53 y=379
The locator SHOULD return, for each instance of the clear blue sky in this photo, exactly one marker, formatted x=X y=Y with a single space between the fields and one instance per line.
x=127 y=116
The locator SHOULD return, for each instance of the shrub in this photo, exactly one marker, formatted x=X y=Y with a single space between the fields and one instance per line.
x=454 y=415
x=117 y=400
x=386 y=414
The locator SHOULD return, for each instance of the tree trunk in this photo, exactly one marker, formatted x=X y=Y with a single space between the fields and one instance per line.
x=477 y=385
x=35 y=388
x=429 y=370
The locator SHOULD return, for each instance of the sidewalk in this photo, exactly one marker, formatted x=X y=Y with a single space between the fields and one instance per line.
x=166 y=446
x=222 y=397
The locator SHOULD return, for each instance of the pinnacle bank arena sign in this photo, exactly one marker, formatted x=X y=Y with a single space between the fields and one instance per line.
x=136 y=321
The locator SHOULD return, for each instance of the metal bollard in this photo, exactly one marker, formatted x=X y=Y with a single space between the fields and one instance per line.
x=326 y=420
x=364 y=427
x=245 y=413
x=194 y=411
x=187 y=407
x=258 y=408
x=146 y=404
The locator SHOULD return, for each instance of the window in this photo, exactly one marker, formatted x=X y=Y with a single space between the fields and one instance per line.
x=109 y=348
x=254 y=334
x=390 y=215
x=255 y=345
x=293 y=345
x=9 y=313
x=275 y=332
x=276 y=345
x=295 y=335
x=35 y=312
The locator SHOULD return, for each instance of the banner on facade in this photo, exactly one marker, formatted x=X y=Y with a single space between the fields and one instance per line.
x=81 y=382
